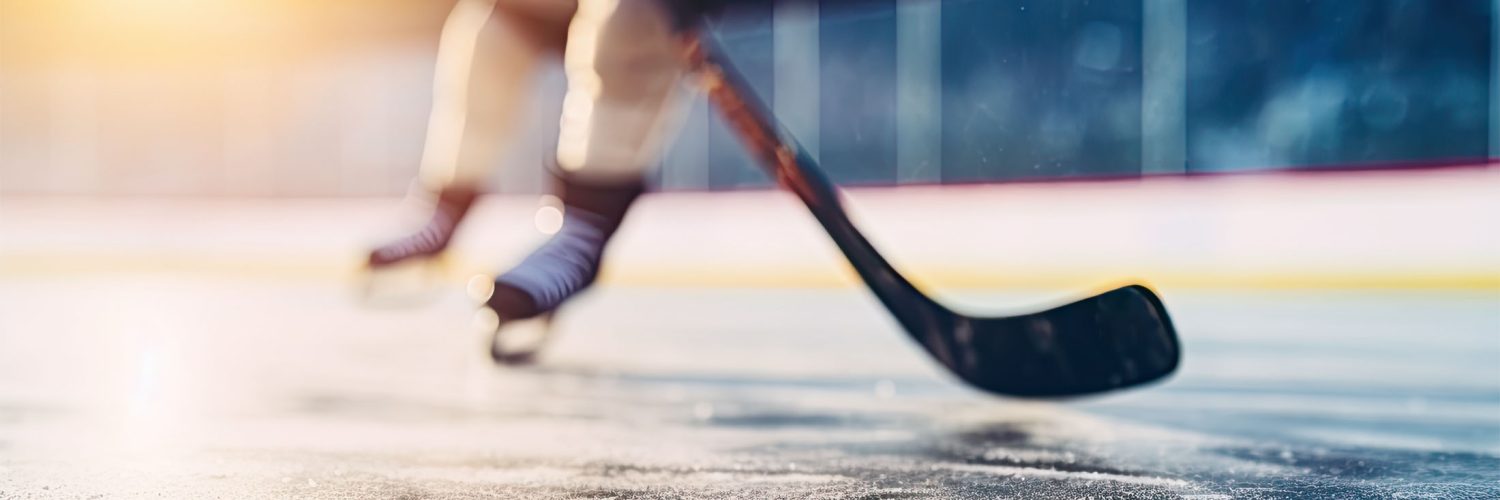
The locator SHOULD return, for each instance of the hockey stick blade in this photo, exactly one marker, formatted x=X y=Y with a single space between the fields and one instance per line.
x=1113 y=340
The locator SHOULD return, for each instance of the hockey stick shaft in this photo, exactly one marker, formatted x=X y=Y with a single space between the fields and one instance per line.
x=786 y=160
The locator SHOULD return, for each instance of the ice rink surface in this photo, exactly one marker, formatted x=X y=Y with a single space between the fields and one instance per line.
x=215 y=349
x=175 y=387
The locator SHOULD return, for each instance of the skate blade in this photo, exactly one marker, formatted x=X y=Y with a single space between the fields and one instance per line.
x=513 y=342
x=413 y=283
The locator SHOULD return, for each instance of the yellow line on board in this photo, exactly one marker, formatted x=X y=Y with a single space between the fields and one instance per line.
x=344 y=266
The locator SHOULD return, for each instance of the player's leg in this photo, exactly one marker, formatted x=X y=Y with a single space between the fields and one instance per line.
x=485 y=62
x=624 y=100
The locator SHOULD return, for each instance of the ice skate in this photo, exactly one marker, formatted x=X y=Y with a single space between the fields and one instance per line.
x=408 y=269
x=518 y=306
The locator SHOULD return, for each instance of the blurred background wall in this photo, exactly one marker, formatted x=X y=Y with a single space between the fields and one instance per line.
x=214 y=97
x=296 y=98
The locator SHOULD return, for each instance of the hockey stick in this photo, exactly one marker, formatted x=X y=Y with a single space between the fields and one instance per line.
x=1113 y=340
